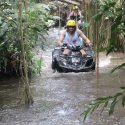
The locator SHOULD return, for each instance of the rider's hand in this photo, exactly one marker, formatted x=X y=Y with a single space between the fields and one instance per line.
x=90 y=44
x=61 y=44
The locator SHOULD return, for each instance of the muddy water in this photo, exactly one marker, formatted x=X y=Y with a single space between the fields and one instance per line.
x=60 y=98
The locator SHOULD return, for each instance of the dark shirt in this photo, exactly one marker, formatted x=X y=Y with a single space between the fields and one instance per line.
x=75 y=16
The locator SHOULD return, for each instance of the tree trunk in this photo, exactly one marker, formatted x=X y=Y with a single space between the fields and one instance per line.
x=28 y=97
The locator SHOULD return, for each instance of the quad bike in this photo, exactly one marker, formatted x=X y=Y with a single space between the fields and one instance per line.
x=74 y=62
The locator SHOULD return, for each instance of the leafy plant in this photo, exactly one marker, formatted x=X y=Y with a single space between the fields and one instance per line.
x=34 y=31
x=103 y=102
x=112 y=11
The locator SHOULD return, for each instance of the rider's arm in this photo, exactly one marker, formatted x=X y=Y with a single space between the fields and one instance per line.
x=71 y=13
x=81 y=34
x=80 y=14
x=61 y=38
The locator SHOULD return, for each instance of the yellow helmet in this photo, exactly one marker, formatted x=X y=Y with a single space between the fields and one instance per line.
x=75 y=8
x=71 y=23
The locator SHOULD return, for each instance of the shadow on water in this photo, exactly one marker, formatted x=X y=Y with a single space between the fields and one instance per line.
x=60 y=98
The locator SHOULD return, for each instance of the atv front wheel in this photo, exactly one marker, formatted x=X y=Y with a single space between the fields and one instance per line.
x=94 y=65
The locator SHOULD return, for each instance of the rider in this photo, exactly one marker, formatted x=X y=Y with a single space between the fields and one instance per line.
x=71 y=37
x=75 y=15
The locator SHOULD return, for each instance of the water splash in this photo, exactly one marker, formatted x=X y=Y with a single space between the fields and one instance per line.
x=104 y=62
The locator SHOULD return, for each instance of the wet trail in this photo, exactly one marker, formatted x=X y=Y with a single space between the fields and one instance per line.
x=60 y=98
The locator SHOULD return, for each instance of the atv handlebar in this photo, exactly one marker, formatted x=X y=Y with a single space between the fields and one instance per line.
x=72 y=47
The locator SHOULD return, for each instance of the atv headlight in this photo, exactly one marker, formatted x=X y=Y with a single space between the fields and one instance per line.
x=75 y=60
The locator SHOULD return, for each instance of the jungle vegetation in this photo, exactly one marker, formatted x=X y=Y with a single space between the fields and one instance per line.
x=23 y=25
x=110 y=18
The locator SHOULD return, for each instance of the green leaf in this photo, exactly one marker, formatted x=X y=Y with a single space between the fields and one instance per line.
x=94 y=108
x=123 y=101
x=123 y=87
x=101 y=98
x=112 y=3
x=118 y=22
x=109 y=50
x=114 y=102
x=117 y=94
x=106 y=103
x=85 y=113
x=97 y=16
x=1 y=44
x=118 y=67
